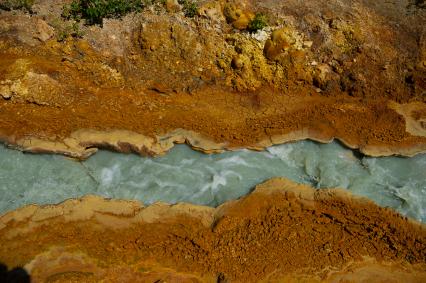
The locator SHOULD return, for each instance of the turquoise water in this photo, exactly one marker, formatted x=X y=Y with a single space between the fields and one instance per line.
x=184 y=175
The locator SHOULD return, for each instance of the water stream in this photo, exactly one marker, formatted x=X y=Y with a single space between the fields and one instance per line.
x=184 y=175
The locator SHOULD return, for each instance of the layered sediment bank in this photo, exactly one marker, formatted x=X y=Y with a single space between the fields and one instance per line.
x=80 y=144
x=281 y=231
x=157 y=77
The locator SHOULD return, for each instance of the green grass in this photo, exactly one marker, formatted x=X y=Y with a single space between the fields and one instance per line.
x=259 y=22
x=16 y=5
x=190 y=8
x=67 y=31
x=94 y=11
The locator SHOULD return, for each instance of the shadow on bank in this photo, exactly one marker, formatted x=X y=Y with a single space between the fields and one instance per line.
x=16 y=275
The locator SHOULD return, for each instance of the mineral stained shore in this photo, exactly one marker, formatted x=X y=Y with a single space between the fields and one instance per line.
x=350 y=70
x=282 y=232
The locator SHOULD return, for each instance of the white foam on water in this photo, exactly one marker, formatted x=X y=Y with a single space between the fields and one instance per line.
x=108 y=175
x=283 y=152
x=411 y=201
x=234 y=161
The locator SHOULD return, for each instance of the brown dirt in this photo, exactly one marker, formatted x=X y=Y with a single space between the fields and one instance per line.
x=352 y=70
x=280 y=231
x=157 y=72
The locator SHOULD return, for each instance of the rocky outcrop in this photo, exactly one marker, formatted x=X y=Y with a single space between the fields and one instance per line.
x=27 y=30
x=26 y=86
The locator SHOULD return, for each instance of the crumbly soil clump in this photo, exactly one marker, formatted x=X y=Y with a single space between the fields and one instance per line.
x=281 y=231
x=328 y=69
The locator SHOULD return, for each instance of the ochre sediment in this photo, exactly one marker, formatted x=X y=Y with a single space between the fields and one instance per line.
x=281 y=231
x=82 y=143
x=349 y=70
x=317 y=72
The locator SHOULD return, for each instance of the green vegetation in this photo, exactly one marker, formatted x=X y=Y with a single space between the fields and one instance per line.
x=190 y=8
x=66 y=29
x=259 y=22
x=16 y=5
x=72 y=30
x=94 y=11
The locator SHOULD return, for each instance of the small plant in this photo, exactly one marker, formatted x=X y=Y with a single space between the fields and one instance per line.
x=259 y=22
x=72 y=30
x=9 y=5
x=190 y=8
x=94 y=11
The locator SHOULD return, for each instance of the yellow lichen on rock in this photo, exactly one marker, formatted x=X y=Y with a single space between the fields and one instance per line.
x=172 y=6
x=212 y=10
x=281 y=41
x=23 y=84
x=237 y=17
x=249 y=67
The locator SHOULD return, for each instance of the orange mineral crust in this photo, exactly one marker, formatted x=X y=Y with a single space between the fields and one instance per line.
x=281 y=231
x=320 y=70
x=352 y=70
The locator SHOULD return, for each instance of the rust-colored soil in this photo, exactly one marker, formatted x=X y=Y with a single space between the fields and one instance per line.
x=352 y=70
x=331 y=75
x=281 y=231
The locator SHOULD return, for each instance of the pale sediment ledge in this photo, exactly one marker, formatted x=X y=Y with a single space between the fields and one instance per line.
x=233 y=88
x=281 y=231
x=85 y=142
